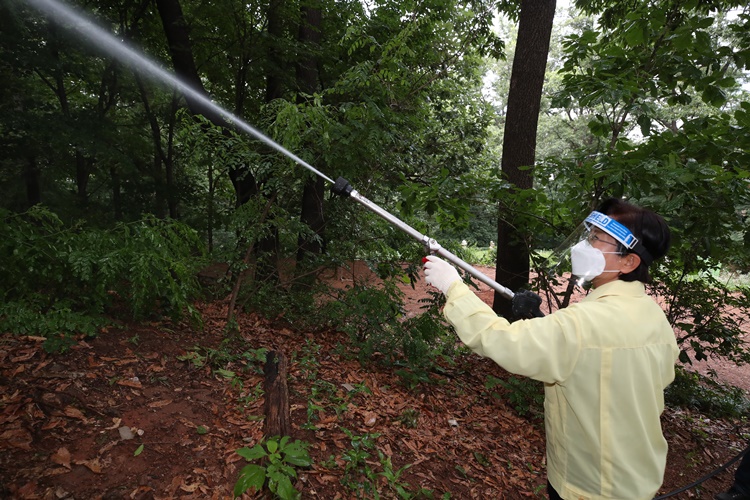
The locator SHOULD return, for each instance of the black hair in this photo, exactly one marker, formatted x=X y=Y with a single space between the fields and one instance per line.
x=649 y=227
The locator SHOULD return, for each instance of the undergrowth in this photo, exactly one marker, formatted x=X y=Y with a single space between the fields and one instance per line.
x=67 y=280
x=698 y=392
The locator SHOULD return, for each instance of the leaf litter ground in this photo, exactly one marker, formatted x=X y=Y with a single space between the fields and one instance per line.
x=139 y=412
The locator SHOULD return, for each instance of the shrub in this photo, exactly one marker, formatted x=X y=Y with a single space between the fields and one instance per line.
x=691 y=390
x=69 y=280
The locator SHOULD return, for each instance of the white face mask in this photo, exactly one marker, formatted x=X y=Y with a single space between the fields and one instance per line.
x=588 y=262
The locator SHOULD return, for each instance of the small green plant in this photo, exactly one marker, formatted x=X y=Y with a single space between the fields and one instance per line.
x=308 y=362
x=194 y=358
x=234 y=380
x=392 y=476
x=358 y=475
x=409 y=418
x=281 y=457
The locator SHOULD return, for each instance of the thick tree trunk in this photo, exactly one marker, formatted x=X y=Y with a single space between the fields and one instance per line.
x=277 y=396
x=307 y=80
x=268 y=248
x=312 y=216
x=519 y=141
x=275 y=60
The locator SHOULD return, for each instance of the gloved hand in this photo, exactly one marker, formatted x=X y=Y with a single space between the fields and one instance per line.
x=526 y=304
x=439 y=273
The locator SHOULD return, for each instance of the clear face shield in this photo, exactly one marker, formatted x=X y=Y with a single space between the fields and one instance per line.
x=582 y=253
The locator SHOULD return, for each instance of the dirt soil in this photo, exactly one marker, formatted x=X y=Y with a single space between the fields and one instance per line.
x=158 y=410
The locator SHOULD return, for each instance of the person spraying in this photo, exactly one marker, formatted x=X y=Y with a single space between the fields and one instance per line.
x=604 y=361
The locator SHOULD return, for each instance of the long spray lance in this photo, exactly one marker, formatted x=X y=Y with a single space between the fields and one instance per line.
x=342 y=188
x=103 y=40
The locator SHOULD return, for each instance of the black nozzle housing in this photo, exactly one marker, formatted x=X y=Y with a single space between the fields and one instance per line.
x=342 y=187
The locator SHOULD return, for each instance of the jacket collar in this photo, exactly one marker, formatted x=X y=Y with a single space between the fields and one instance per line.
x=617 y=287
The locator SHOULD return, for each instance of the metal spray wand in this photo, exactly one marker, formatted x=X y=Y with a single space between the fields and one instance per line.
x=342 y=188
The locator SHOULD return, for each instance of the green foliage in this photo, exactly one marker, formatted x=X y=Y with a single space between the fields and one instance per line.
x=668 y=130
x=692 y=390
x=281 y=458
x=68 y=280
x=373 y=319
x=367 y=478
x=478 y=256
x=358 y=475
x=370 y=316
x=525 y=395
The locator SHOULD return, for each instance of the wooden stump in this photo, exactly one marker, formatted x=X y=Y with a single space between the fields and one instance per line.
x=277 y=396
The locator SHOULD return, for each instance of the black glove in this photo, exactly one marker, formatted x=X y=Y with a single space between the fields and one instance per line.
x=526 y=305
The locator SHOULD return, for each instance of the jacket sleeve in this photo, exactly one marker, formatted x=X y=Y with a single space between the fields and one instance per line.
x=544 y=349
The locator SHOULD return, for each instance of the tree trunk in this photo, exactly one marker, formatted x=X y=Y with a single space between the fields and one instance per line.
x=307 y=80
x=312 y=216
x=277 y=396
x=519 y=141
x=81 y=169
x=82 y=180
x=31 y=180
x=181 y=52
x=275 y=60
x=268 y=247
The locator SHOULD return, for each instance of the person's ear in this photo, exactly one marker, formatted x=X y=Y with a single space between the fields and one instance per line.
x=630 y=263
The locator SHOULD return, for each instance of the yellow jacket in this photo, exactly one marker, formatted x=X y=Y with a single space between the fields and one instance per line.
x=605 y=363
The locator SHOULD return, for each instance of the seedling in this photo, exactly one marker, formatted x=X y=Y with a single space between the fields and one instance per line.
x=280 y=458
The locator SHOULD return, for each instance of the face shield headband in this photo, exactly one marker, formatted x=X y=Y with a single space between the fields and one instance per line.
x=578 y=256
x=619 y=232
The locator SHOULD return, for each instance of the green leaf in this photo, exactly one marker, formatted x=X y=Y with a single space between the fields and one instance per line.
x=225 y=373
x=138 y=451
x=272 y=445
x=253 y=453
x=296 y=454
x=251 y=476
x=714 y=96
x=201 y=430
x=285 y=490
x=634 y=35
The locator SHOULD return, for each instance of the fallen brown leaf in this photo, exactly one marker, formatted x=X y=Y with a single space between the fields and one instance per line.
x=136 y=384
x=73 y=412
x=159 y=404
x=94 y=465
x=62 y=457
x=16 y=438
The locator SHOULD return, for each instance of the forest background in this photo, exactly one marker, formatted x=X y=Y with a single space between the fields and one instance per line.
x=119 y=190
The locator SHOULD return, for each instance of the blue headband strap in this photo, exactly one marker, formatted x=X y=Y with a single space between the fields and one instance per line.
x=613 y=228
x=620 y=233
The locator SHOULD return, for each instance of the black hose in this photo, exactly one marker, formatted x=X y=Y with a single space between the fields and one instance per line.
x=707 y=476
